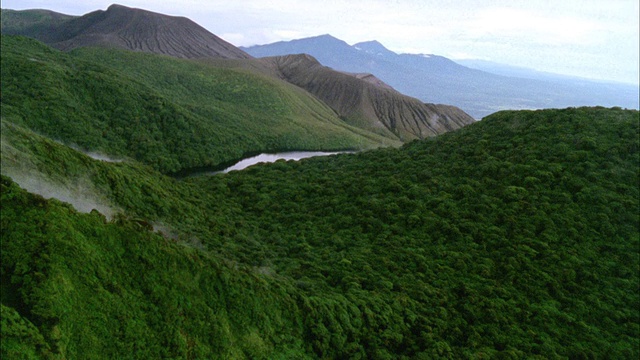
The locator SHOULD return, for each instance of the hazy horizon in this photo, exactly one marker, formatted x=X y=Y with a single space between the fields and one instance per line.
x=590 y=39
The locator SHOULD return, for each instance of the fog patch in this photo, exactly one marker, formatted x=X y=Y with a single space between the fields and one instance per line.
x=23 y=169
x=102 y=157
x=95 y=155
x=195 y=243
x=166 y=231
x=81 y=194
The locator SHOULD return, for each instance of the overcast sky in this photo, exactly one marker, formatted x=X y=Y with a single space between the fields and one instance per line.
x=590 y=38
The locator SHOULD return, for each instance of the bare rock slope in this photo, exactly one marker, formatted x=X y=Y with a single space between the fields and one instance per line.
x=367 y=102
x=141 y=30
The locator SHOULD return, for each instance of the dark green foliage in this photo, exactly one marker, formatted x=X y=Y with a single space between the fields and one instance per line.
x=101 y=289
x=20 y=338
x=34 y=23
x=516 y=237
x=515 y=234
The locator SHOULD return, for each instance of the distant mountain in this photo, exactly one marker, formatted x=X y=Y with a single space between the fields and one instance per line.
x=525 y=73
x=329 y=51
x=377 y=106
x=433 y=78
x=131 y=29
x=374 y=48
x=367 y=104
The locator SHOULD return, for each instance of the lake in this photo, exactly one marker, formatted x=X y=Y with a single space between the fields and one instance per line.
x=268 y=158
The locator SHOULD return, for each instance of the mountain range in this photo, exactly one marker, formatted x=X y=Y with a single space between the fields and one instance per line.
x=442 y=80
x=139 y=30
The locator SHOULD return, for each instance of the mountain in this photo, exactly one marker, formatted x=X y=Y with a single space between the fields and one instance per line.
x=373 y=48
x=169 y=113
x=360 y=102
x=436 y=79
x=326 y=48
x=32 y=23
x=385 y=112
x=371 y=79
x=134 y=29
x=514 y=237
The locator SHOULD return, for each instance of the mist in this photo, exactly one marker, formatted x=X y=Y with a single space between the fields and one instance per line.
x=102 y=157
x=81 y=194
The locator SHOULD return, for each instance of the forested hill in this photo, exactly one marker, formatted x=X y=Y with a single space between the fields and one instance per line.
x=226 y=105
x=172 y=114
x=386 y=116
x=514 y=237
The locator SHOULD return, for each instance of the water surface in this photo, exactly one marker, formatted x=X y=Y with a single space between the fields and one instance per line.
x=269 y=158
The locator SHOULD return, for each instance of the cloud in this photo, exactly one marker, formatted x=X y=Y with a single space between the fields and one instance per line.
x=524 y=31
x=532 y=27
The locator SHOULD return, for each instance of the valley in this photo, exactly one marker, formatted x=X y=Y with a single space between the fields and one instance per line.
x=535 y=211
x=412 y=231
x=269 y=158
x=262 y=158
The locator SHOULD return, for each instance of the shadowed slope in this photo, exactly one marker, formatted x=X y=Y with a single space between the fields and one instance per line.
x=372 y=79
x=367 y=103
x=34 y=23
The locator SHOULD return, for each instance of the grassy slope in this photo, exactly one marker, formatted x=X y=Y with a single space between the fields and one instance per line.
x=171 y=114
x=517 y=236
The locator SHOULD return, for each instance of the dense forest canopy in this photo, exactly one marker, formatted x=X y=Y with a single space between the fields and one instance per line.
x=514 y=237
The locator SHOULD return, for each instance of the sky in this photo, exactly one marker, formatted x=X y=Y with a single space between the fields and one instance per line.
x=596 y=39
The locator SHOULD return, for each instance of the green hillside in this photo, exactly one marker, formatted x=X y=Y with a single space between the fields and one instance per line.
x=515 y=237
x=168 y=113
x=33 y=23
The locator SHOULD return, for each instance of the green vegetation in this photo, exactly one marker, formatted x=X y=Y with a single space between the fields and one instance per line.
x=169 y=113
x=515 y=237
x=31 y=22
x=115 y=290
